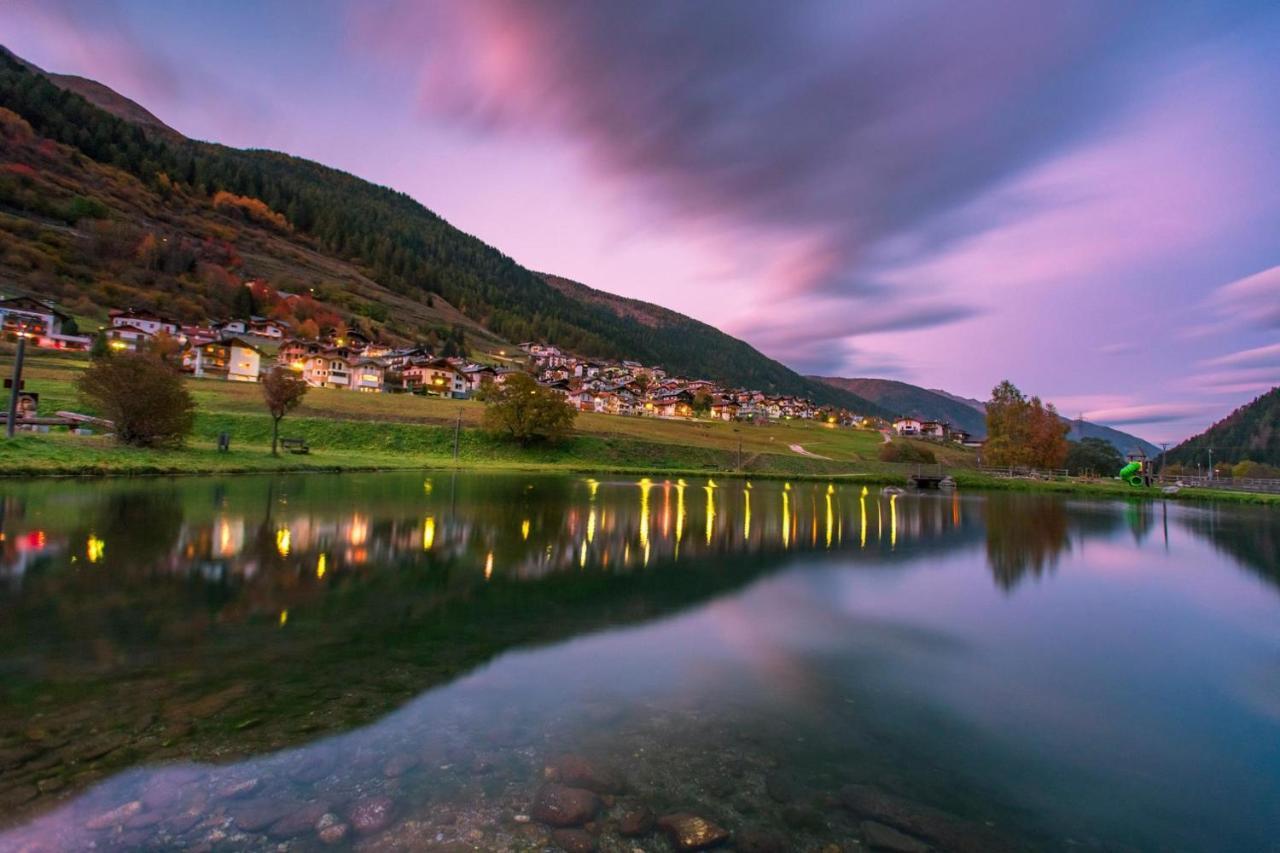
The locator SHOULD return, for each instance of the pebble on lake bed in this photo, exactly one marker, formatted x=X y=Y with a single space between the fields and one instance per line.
x=692 y=832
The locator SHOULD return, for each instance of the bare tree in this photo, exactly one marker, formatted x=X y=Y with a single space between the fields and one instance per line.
x=282 y=390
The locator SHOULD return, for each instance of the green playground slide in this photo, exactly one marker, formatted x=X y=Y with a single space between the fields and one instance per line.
x=1132 y=473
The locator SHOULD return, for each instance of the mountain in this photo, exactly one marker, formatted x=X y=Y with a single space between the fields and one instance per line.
x=1250 y=432
x=100 y=96
x=969 y=415
x=102 y=205
x=900 y=398
x=718 y=353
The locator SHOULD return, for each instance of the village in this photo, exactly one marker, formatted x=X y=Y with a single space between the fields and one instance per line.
x=243 y=350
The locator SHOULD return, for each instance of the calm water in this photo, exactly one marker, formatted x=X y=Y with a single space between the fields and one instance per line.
x=393 y=662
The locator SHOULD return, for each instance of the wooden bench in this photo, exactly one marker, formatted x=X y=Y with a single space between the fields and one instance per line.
x=295 y=445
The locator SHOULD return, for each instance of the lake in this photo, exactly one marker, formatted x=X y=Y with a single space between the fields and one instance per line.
x=520 y=662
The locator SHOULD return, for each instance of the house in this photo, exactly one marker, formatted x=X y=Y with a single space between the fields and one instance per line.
x=230 y=358
x=22 y=313
x=128 y=337
x=146 y=321
x=907 y=426
x=293 y=352
x=724 y=410
x=933 y=429
x=583 y=399
x=266 y=329
x=673 y=404
x=435 y=376
x=367 y=375
x=959 y=436
x=328 y=368
x=399 y=359
x=232 y=327
x=41 y=321
x=476 y=375
x=198 y=334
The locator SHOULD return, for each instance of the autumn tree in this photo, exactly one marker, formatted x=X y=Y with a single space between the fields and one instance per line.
x=519 y=409
x=1023 y=432
x=701 y=404
x=282 y=391
x=143 y=395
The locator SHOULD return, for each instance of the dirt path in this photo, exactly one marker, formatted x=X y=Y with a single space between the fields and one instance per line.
x=799 y=448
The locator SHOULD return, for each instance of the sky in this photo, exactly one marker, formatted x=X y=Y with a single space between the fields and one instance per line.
x=1081 y=197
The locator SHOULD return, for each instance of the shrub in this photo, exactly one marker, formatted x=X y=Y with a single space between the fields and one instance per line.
x=903 y=451
x=83 y=207
x=143 y=395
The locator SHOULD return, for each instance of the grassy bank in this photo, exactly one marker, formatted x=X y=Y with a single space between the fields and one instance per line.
x=349 y=431
x=370 y=432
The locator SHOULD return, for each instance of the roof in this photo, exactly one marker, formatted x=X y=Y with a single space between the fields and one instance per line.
x=29 y=303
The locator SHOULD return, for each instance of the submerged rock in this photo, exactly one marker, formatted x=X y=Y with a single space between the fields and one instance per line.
x=574 y=840
x=301 y=821
x=560 y=805
x=881 y=837
x=692 y=832
x=257 y=815
x=635 y=821
x=579 y=772
x=371 y=814
x=933 y=825
x=238 y=788
x=331 y=829
x=399 y=765
x=114 y=817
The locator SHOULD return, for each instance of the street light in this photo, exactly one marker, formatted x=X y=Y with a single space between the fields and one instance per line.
x=17 y=381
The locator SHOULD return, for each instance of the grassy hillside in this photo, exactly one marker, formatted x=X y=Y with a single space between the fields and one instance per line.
x=1250 y=432
x=86 y=189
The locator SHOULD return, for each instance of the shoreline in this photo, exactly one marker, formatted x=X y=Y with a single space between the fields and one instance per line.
x=55 y=458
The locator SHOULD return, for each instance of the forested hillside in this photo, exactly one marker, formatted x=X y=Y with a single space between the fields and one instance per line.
x=1251 y=432
x=305 y=222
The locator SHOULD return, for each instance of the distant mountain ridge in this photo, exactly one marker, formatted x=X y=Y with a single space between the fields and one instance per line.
x=902 y=398
x=1250 y=432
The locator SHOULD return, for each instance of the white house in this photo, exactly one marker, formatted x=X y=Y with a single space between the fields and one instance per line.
x=231 y=359
x=266 y=329
x=367 y=375
x=40 y=320
x=907 y=426
x=145 y=321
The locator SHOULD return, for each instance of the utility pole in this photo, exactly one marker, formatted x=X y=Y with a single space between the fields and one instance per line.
x=457 y=430
x=17 y=381
x=1164 y=445
x=1210 y=463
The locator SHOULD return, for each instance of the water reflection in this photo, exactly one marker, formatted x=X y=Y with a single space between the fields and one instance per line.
x=204 y=621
